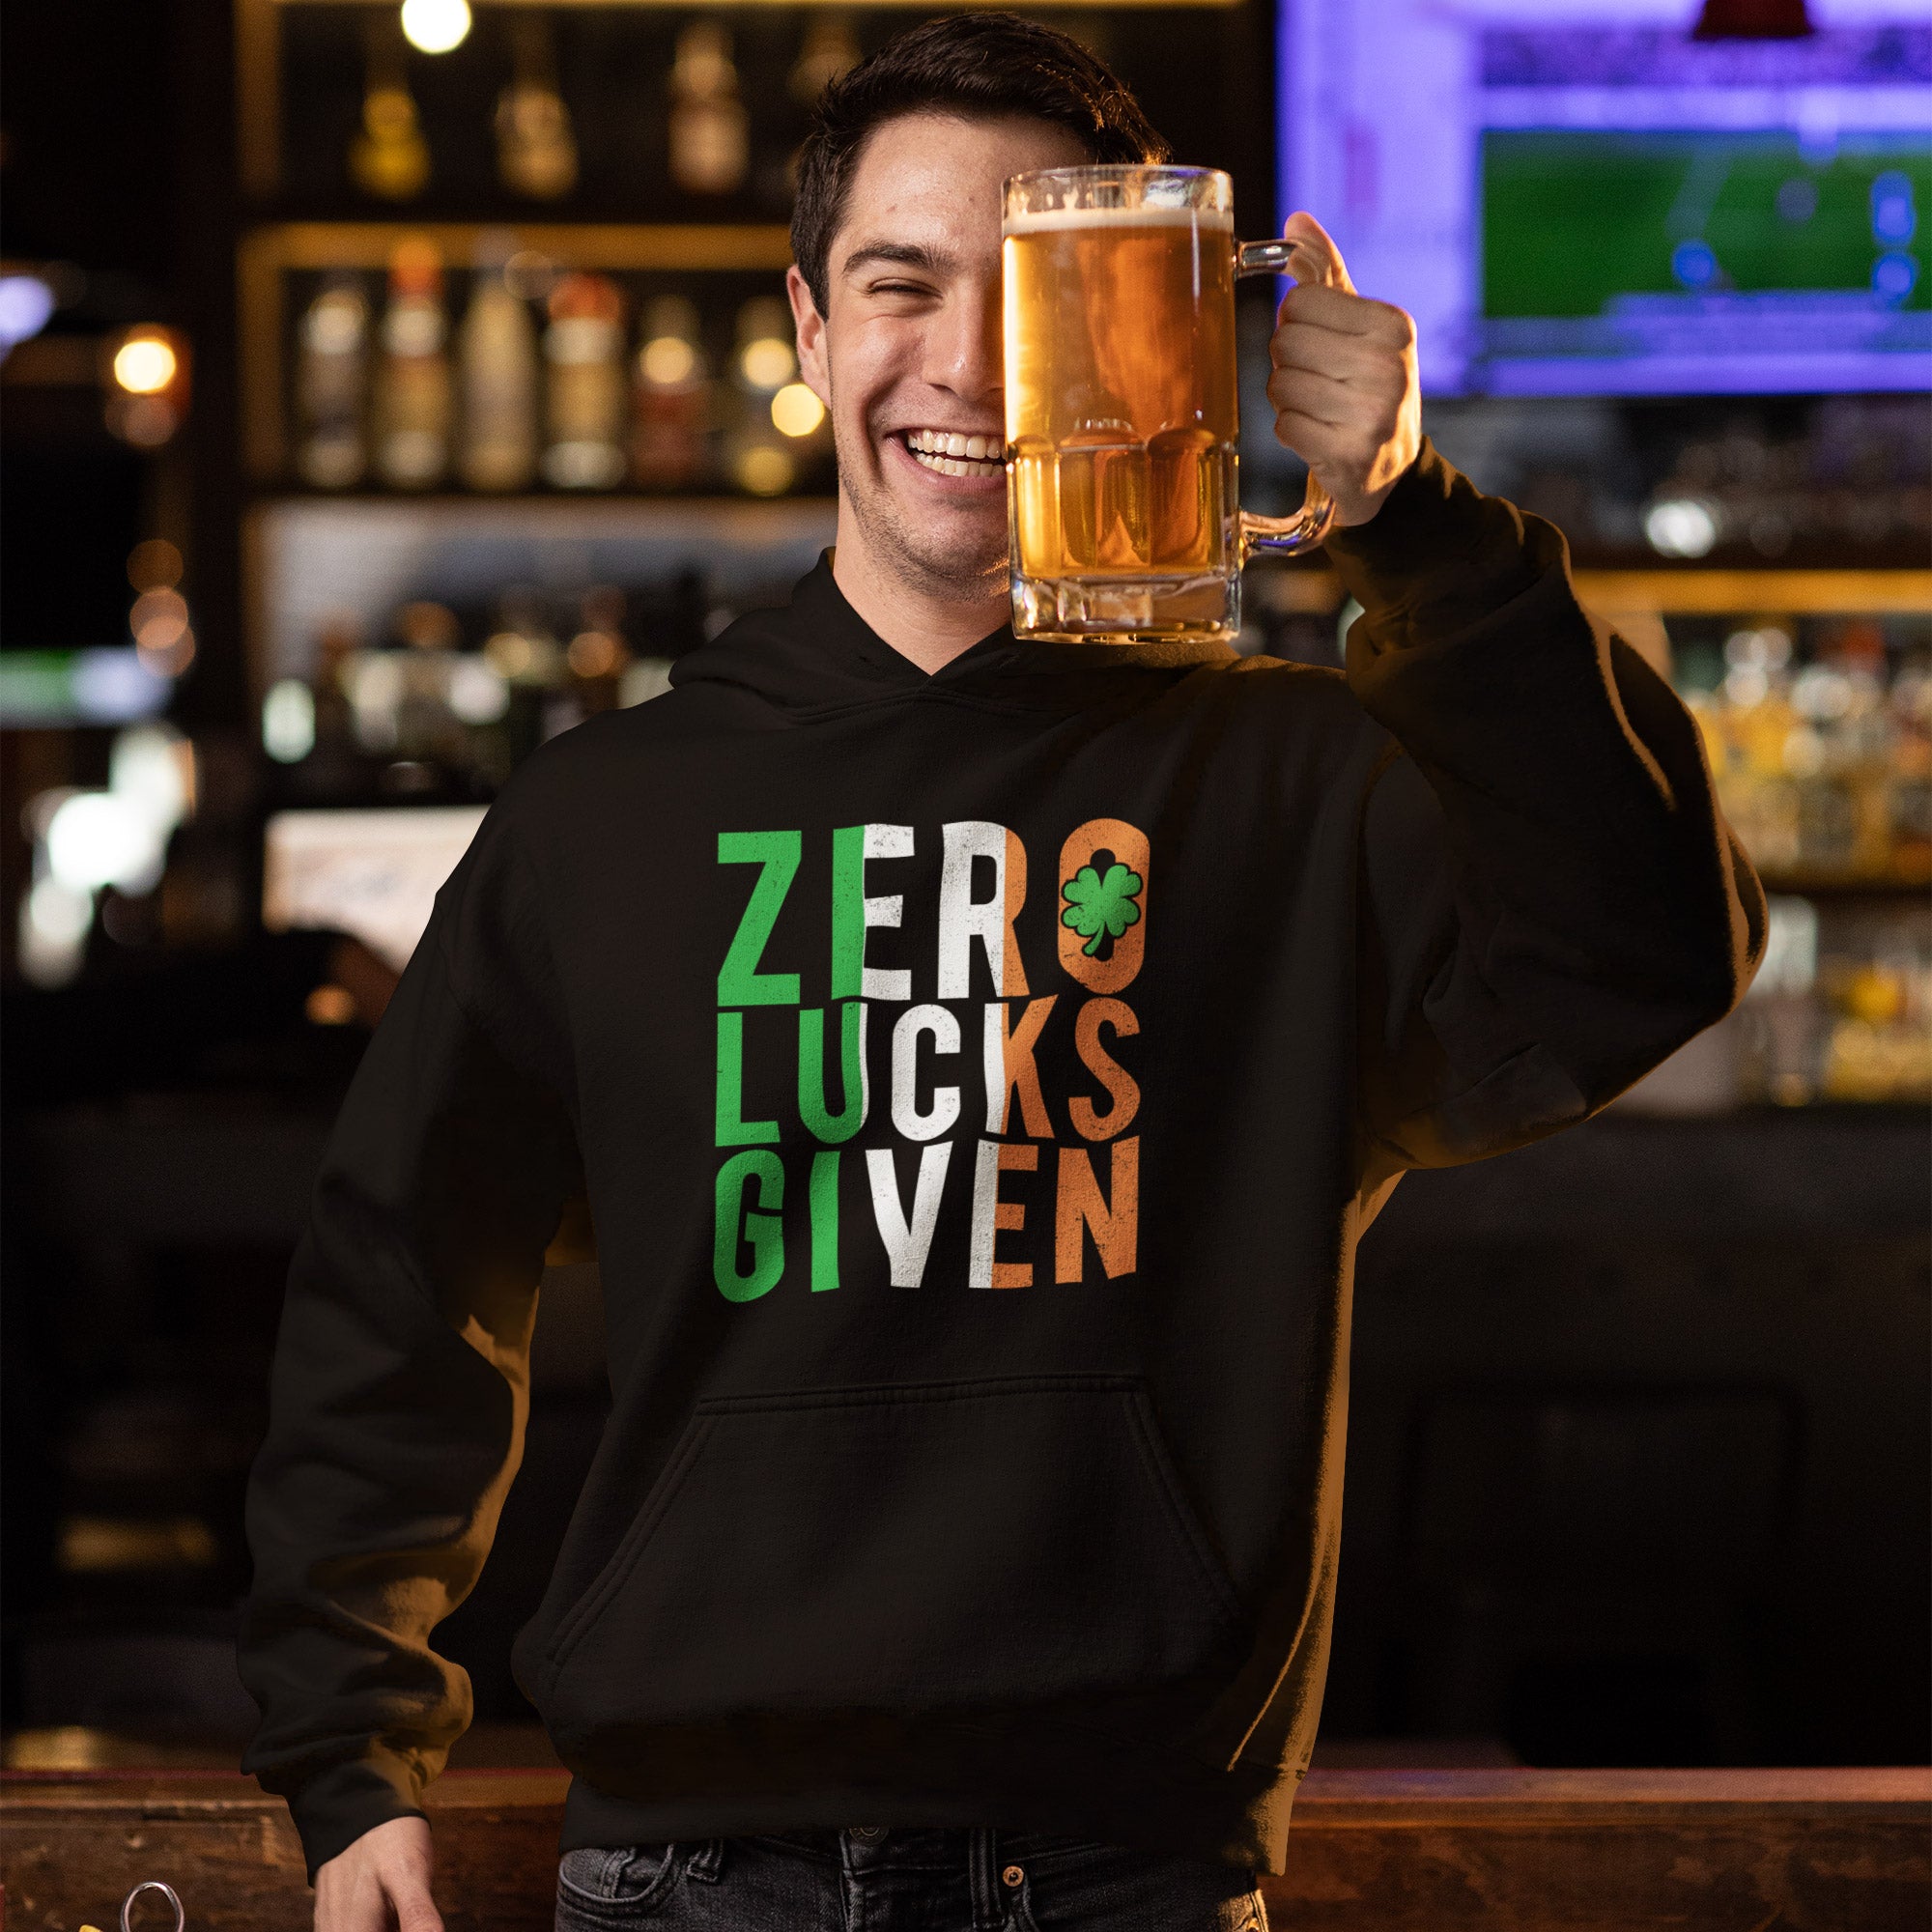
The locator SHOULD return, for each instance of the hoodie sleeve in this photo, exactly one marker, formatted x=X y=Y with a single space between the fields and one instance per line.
x=1551 y=901
x=400 y=1382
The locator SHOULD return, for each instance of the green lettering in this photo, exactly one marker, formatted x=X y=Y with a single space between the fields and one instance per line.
x=848 y=910
x=735 y=1224
x=820 y=1121
x=734 y=1129
x=740 y=983
x=824 y=1221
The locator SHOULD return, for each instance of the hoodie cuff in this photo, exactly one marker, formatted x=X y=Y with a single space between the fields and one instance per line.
x=335 y=1806
x=1439 y=554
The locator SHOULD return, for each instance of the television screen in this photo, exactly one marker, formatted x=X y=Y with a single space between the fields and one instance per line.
x=371 y=872
x=1574 y=209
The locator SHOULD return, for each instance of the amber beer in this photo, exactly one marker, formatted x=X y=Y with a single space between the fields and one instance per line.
x=1120 y=402
x=1121 y=411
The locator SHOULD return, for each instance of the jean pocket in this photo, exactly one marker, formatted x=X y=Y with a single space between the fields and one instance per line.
x=603 y=1887
x=993 y=1544
x=1129 y=1891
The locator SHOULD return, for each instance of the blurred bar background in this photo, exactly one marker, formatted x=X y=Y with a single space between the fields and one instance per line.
x=385 y=391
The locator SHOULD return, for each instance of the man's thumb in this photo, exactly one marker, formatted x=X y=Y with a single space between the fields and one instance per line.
x=1317 y=259
x=415 y=1910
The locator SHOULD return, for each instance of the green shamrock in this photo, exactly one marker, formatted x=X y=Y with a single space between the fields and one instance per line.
x=1101 y=908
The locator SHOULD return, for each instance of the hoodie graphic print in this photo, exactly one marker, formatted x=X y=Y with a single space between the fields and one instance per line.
x=1082 y=1219
x=977 y=1085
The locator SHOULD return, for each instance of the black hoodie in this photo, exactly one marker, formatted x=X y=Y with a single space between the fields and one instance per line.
x=979 y=1083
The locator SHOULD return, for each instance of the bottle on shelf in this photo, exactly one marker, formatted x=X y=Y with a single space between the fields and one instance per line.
x=499 y=358
x=671 y=399
x=388 y=156
x=332 y=381
x=759 y=457
x=710 y=144
x=584 y=350
x=536 y=148
x=413 y=386
x=429 y=736
x=1824 y=760
x=830 y=46
x=597 y=654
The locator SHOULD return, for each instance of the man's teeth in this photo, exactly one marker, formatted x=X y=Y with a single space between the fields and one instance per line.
x=956 y=455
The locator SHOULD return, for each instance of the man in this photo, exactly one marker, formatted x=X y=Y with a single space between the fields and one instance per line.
x=982 y=1060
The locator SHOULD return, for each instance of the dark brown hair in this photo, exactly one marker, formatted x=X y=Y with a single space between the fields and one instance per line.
x=983 y=66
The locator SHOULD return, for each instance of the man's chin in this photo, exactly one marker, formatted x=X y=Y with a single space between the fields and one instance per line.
x=955 y=554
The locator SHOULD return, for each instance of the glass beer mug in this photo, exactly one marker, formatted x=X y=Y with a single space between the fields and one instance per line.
x=1121 y=404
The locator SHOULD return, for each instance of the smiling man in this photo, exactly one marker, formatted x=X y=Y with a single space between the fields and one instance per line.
x=980 y=1060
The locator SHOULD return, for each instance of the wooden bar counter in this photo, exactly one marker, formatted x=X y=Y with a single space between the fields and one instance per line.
x=1373 y=1851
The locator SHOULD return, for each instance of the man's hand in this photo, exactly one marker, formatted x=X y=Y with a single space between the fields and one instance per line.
x=381 y=1884
x=1345 y=391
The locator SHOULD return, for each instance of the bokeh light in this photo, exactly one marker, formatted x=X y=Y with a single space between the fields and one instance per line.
x=157 y=619
x=154 y=565
x=27 y=302
x=669 y=361
x=288 y=721
x=796 y=411
x=765 y=471
x=767 y=362
x=1680 y=526
x=435 y=26
x=146 y=364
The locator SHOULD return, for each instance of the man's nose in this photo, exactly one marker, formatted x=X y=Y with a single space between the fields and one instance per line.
x=963 y=347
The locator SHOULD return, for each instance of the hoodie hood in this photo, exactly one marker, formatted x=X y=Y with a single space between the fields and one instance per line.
x=817 y=654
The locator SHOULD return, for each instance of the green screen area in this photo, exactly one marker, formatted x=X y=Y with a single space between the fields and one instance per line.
x=1571 y=219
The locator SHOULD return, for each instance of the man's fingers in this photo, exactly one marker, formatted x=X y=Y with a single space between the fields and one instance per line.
x=1346 y=314
x=1310 y=393
x=1315 y=247
x=1349 y=359
x=380 y=1882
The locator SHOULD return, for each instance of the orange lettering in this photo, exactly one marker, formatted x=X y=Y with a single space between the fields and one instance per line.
x=1123 y=1090
x=1115 y=1227
x=1009 y=1067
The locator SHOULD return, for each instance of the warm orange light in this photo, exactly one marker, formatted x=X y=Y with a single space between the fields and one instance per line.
x=796 y=411
x=154 y=565
x=157 y=619
x=594 y=653
x=146 y=364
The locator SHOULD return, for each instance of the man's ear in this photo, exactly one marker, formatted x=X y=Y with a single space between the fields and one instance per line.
x=810 y=327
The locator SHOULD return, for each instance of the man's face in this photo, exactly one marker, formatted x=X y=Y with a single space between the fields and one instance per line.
x=908 y=360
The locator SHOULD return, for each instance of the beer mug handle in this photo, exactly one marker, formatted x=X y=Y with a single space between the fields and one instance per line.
x=1283 y=536
x=167 y=1892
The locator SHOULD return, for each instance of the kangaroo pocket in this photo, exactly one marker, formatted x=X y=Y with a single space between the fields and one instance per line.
x=927 y=1547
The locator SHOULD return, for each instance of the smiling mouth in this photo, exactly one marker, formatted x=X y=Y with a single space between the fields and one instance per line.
x=951 y=454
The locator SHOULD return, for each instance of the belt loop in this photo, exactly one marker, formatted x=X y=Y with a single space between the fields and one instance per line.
x=707 y=1862
x=983 y=1865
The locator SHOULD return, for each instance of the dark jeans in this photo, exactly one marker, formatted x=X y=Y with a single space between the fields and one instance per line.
x=871 y=1880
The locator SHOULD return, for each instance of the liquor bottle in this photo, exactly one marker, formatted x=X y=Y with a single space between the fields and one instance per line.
x=830 y=48
x=331 y=381
x=764 y=363
x=536 y=150
x=671 y=400
x=584 y=347
x=413 y=386
x=498 y=353
x=388 y=157
x=597 y=655
x=710 y=147
x=427 y=732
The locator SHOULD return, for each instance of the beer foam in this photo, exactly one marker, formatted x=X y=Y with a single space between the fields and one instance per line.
x=1041 y=221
